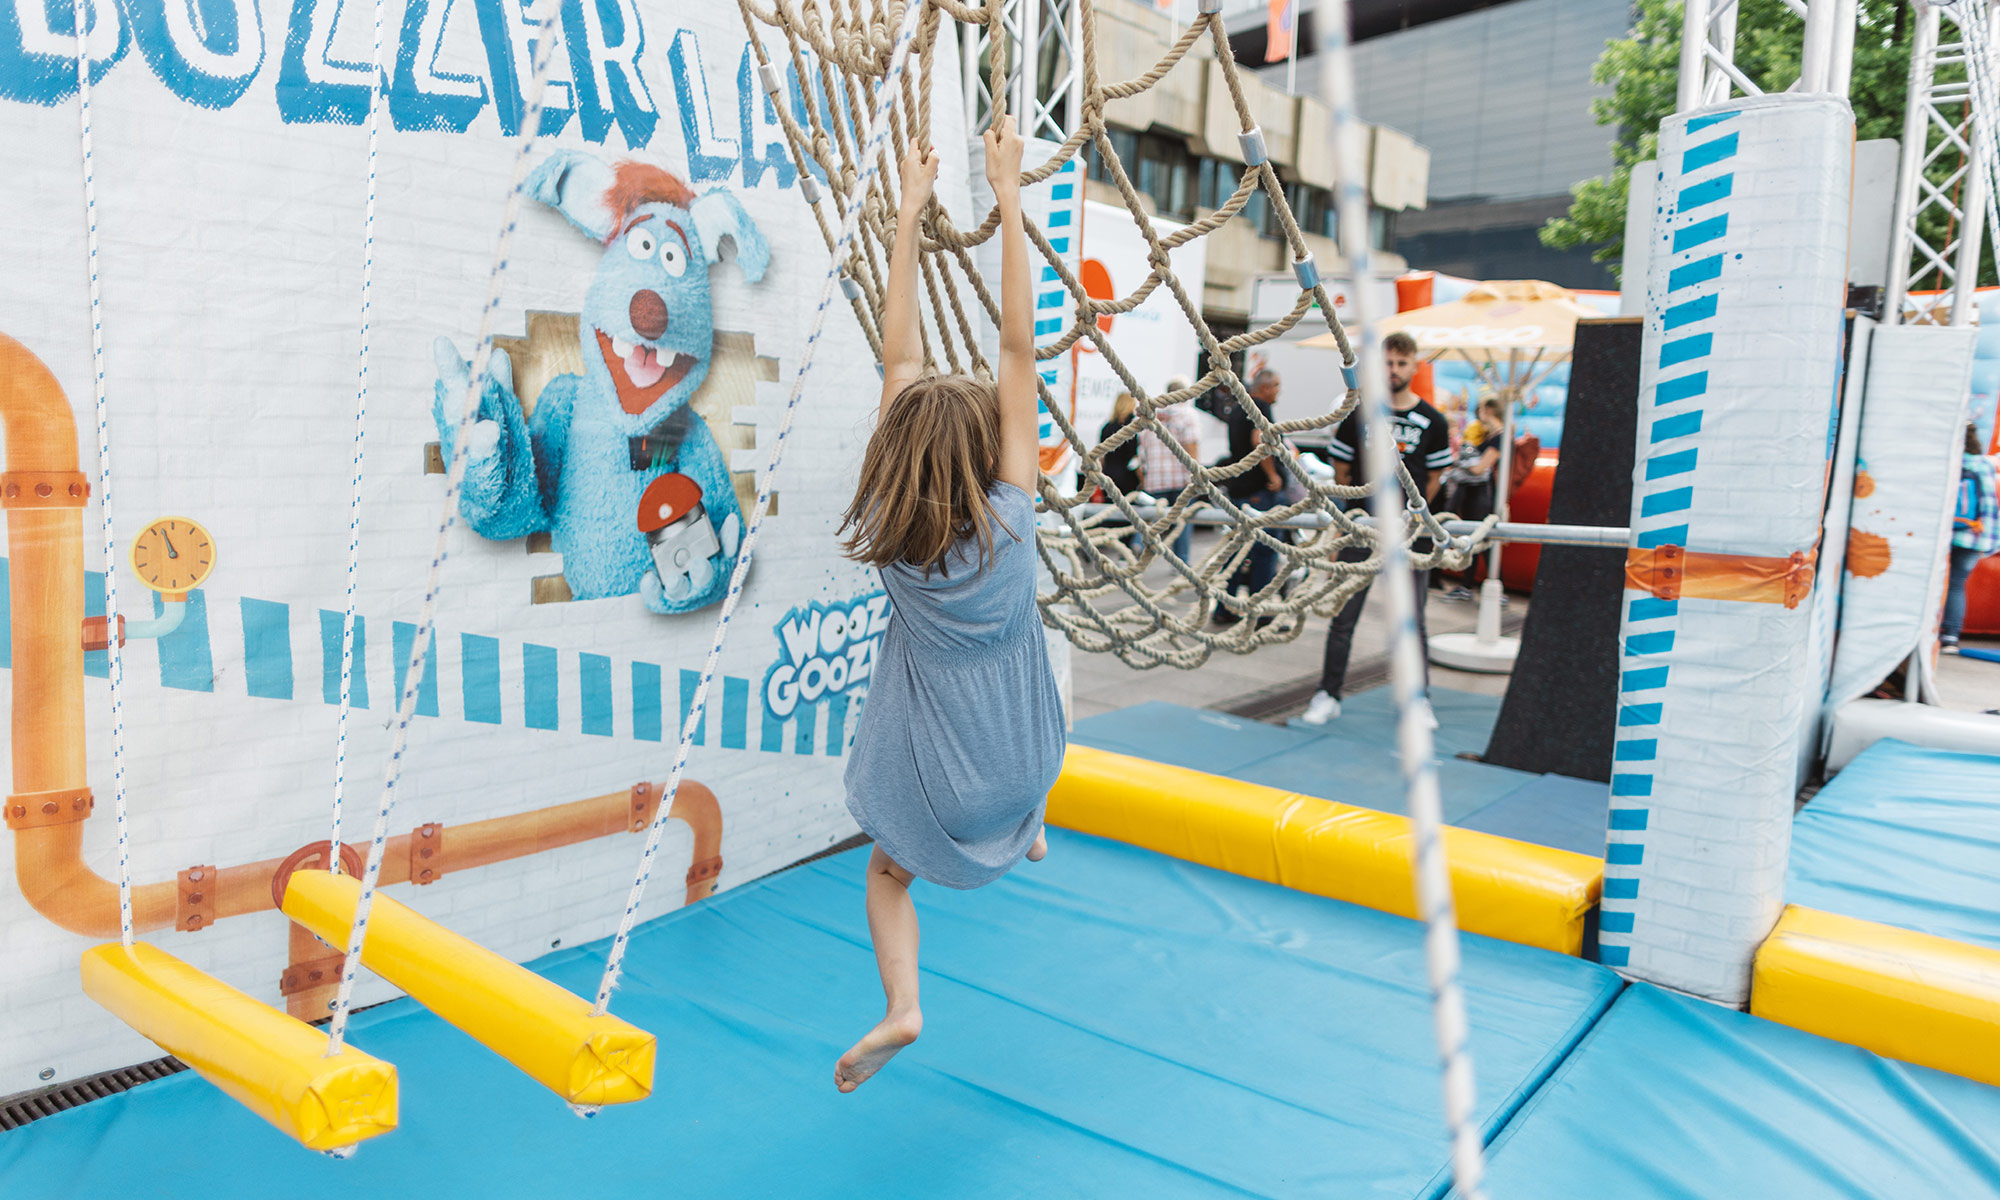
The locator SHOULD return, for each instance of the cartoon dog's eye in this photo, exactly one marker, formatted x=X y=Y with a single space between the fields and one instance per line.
x=639 y=244
x=673 y=258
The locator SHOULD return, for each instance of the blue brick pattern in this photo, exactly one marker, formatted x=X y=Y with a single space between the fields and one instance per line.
x=275 y=655
x=1689 y=318
x=1051 y=298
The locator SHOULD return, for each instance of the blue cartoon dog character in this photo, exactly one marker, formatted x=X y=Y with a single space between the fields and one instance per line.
x=581 y=466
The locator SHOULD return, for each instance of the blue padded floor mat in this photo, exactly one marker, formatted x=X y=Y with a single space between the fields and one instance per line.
x=1675 y=1098
x=1905 y=836
x=1109 y=1022
x=1550 y=810
x=1351 y=759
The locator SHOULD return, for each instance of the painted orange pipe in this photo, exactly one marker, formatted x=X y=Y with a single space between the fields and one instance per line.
x=45 y=582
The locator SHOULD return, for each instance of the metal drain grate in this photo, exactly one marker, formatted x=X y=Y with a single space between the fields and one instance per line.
x=16 y=1111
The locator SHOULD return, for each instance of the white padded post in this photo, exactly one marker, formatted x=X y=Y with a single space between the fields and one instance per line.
x=1745 y=294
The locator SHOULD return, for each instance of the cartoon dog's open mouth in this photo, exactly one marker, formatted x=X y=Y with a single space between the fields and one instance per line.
x=638 y=373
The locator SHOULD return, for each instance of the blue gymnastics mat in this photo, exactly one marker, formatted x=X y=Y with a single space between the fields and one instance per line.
x=1109 y=1022
x=1352 y=759
x=1905 y=836
x=1675 y=1098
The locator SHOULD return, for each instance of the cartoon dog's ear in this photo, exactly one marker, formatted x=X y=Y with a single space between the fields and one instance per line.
x=574 y=184
x=717 y=215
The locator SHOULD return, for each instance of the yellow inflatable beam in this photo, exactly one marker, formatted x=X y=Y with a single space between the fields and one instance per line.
x=1905 y=995
x=272 y=1064
x=537 y=1025
x=1504 y=889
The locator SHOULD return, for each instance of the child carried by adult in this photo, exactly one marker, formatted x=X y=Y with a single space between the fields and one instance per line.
x=963 y=735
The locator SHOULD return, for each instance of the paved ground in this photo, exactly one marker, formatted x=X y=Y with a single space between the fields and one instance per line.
x=1969 y=683
x=1275 y=682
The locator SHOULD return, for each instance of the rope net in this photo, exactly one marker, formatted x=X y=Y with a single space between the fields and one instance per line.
x=1107 y=596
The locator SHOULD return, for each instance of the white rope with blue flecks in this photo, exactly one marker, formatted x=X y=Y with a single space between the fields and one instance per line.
x=360 y=438
x=878 y=130
x=1406 y=658
x=413 y=670
x=113 y=647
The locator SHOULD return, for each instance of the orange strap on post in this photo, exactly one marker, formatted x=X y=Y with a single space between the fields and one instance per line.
x=1671 y=572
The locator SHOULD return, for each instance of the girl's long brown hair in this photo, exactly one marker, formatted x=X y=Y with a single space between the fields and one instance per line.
x=925 y=475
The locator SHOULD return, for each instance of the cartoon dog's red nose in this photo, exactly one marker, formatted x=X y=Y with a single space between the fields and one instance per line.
x=648 y=313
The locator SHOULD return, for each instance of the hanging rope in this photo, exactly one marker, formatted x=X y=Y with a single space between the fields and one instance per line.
x=850 y=223
x=360 y=436
x=1406 y=654
x=114 y=647
x=1102 y=599
x=413 y=670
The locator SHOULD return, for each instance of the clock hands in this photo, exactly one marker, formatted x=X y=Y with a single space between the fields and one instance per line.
x=171 y=552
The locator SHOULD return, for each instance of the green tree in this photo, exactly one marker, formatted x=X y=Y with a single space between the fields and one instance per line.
x=1642 y=69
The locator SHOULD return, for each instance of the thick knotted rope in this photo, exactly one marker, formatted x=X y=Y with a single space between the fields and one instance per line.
x=1102 y=599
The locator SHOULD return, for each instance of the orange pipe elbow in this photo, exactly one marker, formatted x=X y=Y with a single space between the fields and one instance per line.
x=697 y=806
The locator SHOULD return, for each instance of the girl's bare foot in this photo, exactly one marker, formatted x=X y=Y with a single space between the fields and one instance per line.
x=1040 y=850
x=880 y=1044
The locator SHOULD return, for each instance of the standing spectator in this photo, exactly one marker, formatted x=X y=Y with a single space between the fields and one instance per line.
x=1975 y=533
x=1468 y=483
x=1160 y=473
x=1424 y=444
x=1120 y=465
x=1260 y=487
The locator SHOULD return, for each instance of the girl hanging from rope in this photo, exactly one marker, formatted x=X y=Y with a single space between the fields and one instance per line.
x=963 y=736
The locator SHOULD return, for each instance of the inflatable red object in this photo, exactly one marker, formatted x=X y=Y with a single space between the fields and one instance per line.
x=1530 y=504
x=1982 y=598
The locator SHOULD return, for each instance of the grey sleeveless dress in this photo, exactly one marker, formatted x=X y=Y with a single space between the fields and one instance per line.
x=962 y=734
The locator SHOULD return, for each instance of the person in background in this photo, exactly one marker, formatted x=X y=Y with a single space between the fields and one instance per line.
x=1975 y=533
x=1468 y=486
x=1160 y=473
x=1260 y=488
x=1121 y=466
x=1424 y=444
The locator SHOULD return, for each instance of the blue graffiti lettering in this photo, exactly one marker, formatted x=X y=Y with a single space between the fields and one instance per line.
x=420 y=95
x=205 y=51
x=763 y=138
x=38 y=48
x=313 y=86
x=710 y=155
x=605 y=39
x=510 y=38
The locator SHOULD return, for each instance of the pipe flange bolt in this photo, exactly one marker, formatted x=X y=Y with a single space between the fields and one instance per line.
x=38 y=810
x=43 y=489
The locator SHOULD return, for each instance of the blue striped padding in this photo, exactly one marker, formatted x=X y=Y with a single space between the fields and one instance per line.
x=1629 y=818
x=1701 y=270
x=1684 y=388
x=1631 y=785
x=1652 y=608
x=1663 y=466
x=1698 y=309
x=1630 y=715
x=1624 y=854
x=267 y=649
x=593 y=672
x=330 y=658
x=1678 y=425
x=1708 y=191
x=1672 y=535
x=1659 y=503
x=1620 y=889
x=1694 y=158
x=1686 y=349
x=1657 y=642
x=541 y=707
x=646 y=701
x=1637 y=750
x=186 y=662
x=1643 y=680
x=479 y=676
x=404 y=638
x=690 y=684
x=735 y=712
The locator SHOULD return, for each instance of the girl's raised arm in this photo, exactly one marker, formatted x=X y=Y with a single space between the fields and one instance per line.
x=902 y=341
x=1020 y=462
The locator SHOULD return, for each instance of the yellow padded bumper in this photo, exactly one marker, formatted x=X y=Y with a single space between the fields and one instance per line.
x=539 y=1026
x=1905 y=995
x=1503 y=888
x=272 y=1064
